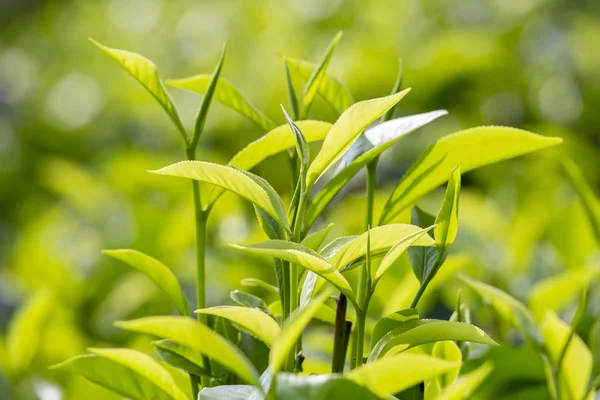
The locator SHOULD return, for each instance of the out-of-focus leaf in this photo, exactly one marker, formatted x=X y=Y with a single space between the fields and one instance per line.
x=316 y=239
x=345 y=131
x=319 y=74
x=319 y=387
x=226 y=94
x=292 y=329
x=128 y=372
x=247 y=300
x=382 y=377
x=159 y=273
x=554 y=292
x=254 y=321
x=365 y=149
x=146 y=73
x=595 y=348
x=397 y=250
x=509 y=309
x=588 y=197
x=449 y=351
x=473 y=148
x=422 y=259
x=408 y=318
x=577 y=363
x=24 y=333
x=303 y=256
x=191 y=333
x=427 y=331
x=446 y=223
x=237 y=181
x=229 y=392
x=331 y=89
x=181 y=356
x=465 y=385
x=254 y=282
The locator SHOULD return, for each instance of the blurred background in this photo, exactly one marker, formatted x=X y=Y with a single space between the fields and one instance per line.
x=77 y=135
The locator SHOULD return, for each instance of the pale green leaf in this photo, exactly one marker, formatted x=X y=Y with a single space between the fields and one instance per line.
x=473 y=148
x=237 y=181
x=589 y=198
x=398 y=249
x=24 y=333
x=316 y=239
x=449 y=351
x=254 y=321
x=465 y=385
x=181 y=356
x=226 y=94
x=193 y=334
x=303 y=256
x=577 y=362
x=128 y=372
x=292 y=329
x=146 y=73
x=446 y=223
x=160 y=274
x=346 y=130
x=393 y=374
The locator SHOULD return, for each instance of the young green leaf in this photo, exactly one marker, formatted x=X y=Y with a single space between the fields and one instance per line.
x=577 y=363
x=316 y=239
x=254 y=282
x=318 y=75
x=301 y=143
x=331 y=89
x=292 y=329
x=509 y=309
x=145 y=72
x=191 y=333
x=248 y=300
x=254 y=321
x=397 y=86
x=24 y=333
x=473 y=148
x=465 y=385
x=330 y=386
x=408 y=318
x=381 y=376
x=226 y=94
x=237 y=181
x=345 y=131
x=364 y=150
x=449 y=351
x=128 y=372
x=229 y=392
x=422 y=259
x=291 y=92
x=407 y=336
x=303 y=256
x=160 y=274
x=446 y=223
x=181 y=357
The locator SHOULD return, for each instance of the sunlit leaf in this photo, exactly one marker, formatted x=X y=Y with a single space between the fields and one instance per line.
x=316 y=239
x=577 y=363
x=465 y=385
x=383 y=376
x=160 y=274
x=292 y=329
x=449 y=351
x=237 y=181
x=145 y=72
x=24 y=333
x=588 y=196
x=398 y=249
x=346 y=130
x=181 y=356
x=191 y=333
x=254 y=321
x=226 y=94
x=473 y=148
x=303 y=256
x=410 y=335
x=128 y=372
x=509 y=309
x=408 y=318
x=446 y=223
x=298 y=387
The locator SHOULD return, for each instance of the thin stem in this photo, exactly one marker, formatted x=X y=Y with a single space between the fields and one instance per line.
x=361 y=318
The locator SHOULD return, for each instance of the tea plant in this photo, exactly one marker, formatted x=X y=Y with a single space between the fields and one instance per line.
x=256 y=350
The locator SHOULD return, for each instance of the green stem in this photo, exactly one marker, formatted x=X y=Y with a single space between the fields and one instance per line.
x=194 y=382
x=361 y=318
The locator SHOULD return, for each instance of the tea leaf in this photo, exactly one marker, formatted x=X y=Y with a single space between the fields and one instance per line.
x=128 y=372
x=409 y=335
x=160 y=274
x=291 y=92
x=422 y=259
x=465 y=385
x=381 y=376
x=303 y=256
x=254 y=321
x=254 y=282
x=331 y=89
x=298 y=387
x=226 y=94
x=239 y=182
x=181 y=357
x=24 y=333
x=316 y=239
x=449 y=351
x=292 y=329
x=198 y=337
x=318 y=74
x=365 y=149
x=247 y=300
x=345 y=131
x=146 y=73
x=301 y=143
x=409 y=318
x=446 y=223
x=473 y=148
x=229 y=392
